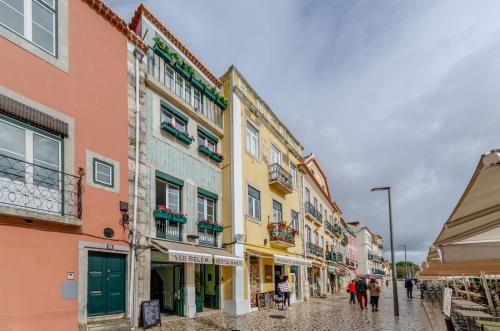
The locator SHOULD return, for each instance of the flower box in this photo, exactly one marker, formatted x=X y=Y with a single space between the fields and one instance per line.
x=218 y=228
x=221 y=102
x=170 y=129
x=205 y=150
x=162 y=215
x=210 y=95
x=202 y=226
x=217 y=157
x=181 y=71
x=179 y=219
x=162 y=53
x=185 y=138
x=197 y=84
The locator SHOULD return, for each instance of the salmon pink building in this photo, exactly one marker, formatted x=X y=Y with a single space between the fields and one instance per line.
x=64 y=150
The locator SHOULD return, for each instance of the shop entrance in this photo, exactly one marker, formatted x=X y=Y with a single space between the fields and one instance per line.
x=279 y=273
x=295 y=281
x=207 y=287
x=167 y=286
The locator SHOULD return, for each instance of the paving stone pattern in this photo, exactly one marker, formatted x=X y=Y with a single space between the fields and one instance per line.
x=332 y=313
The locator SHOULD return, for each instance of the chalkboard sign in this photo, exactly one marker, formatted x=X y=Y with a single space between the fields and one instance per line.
x=262 y=300
x=150 y=313
x=269 y=298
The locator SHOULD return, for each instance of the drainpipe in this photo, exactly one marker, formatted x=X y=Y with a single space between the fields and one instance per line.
x=138 y=54
x=302 y=202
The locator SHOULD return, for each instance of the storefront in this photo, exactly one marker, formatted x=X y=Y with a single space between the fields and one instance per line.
x=186 y=279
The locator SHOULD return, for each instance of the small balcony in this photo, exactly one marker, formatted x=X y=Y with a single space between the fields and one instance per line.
x=376 y=271
x=280 y=179
x=344 y=240
x=168 y=229
x=33 y=191
x=281 y=236
x=351 y=263
x=314 y=250
x=312 y=214
x=207 y=239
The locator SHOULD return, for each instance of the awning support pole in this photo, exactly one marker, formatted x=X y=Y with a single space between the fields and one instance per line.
x=466 y=284
x=487 y=291
x=455 y=285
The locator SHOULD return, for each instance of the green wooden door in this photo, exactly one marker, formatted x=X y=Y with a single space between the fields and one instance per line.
x=106 y=284
x=179 y=289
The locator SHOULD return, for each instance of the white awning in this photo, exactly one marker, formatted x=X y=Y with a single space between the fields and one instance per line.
x=282 y=259
x=223 y=257
x=182 y=253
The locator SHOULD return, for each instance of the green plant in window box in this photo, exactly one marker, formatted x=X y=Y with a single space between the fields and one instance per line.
x=211 y=93
x=221 y=102
x=169 y=127
x=162 y=50
x=165 y=213
x=218 y=157
x=205 y=150
x=185 y=138
x=198 y=84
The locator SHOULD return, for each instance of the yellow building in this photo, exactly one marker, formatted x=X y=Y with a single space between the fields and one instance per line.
x=264 y=205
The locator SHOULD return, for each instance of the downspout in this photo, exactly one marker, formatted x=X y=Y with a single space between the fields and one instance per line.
x=302 y=204
x=138 y=54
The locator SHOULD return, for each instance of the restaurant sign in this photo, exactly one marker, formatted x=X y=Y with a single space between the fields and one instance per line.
x=189 y=257
x=229 y=261
x=280 y=259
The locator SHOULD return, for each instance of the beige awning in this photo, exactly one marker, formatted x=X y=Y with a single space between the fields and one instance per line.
x=283 y=259
x=181 y=252
x=223 y=257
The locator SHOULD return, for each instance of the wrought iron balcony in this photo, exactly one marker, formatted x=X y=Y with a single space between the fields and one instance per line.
x=313 y=214
x=207 y=239
x=376 y=271
x=313 y=249
x=345 y=240
x=281 y=236
x=33 y=187
x=168 y=230
x=351 y=263
x=370 y=256
x=280 y=179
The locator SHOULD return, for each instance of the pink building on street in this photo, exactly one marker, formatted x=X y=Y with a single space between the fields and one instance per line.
x=64 y=152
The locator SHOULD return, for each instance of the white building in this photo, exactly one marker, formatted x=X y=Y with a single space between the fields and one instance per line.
x=369 y=251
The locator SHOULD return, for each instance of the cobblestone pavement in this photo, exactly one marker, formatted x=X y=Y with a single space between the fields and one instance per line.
x=332 y=313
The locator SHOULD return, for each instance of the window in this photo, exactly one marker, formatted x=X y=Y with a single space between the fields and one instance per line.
x=203 y=140
x=168 y=117
x=295 y=219
x=253 y=208
x=169 y=77
x=34 y=20
x=275 y=155
x=308 y=195
x=179 y=86
x=168 y=195
x=308 y=233
x=252 y=140
x=326 y=215
x=321 y=241
x=103 y=173
x=293 y=172
x=315 y=204
x=277 y=212
x=316 y=238
x=197 y=101
x=206 y=209
x=321 y=210
x=187 y=92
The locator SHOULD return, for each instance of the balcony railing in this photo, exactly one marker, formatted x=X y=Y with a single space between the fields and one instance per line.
x=351 y=263
x=345 y=240
x=378 y=258
x=281 y=236
x=168 y=229
x=315 y=214
x=280 y=178
x=207 y=239
x=34 y=187
x=376 y=271
x=313 y=249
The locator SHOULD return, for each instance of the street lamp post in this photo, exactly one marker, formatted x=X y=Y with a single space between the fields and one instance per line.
x=394 y=284
x=406 y=263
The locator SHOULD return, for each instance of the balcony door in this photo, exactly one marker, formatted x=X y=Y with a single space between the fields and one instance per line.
x=275 y=155
x=30 y=168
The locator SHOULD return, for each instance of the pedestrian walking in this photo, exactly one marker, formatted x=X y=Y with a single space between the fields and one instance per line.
x=386 y=283
x=374 y=294
x=361 y=293
x=351 y=288
x=409 y=288
x=285 y=289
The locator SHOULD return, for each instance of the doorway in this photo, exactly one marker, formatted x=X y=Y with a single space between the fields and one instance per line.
x=207 y=287
x=106 y=284
x=167 y=286
x=279 y=272
x=295 y=281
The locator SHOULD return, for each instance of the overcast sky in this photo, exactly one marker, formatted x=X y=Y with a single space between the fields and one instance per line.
x=399 y=93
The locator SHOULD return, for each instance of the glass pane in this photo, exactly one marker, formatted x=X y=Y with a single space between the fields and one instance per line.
x=49 y=2
x=173 y=198
x=43 y=38
x=45 y=150
x=43 y=17
x=11 y=15
x=201 y=208
x=103 y=173
x=210 y=210
x=12 y=140
x=257 y=209
x=250 y=206
x=161 y=188
x=166 y=117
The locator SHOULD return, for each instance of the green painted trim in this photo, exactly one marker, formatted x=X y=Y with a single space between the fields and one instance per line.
x=174 y=111
x=208 y=134
x=94 y=161
x=168 y=178
x=208 y=194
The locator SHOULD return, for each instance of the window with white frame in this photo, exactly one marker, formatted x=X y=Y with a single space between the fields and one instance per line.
x=203 y=140
x=206 y=209
x=34 y=20
x=315 y=203
x=252 y=140
x=253 y=203
x=187 y=91
x=103 y=173
x=308 y=195
x=176 y=122
x=293 y=173
x=275 y=155
x=316 y=238
x=169 y=77
x=197 y=104
x=168 y=195
x=295 y=219
x=277 y=212
x=308 y=234
x=179 y=86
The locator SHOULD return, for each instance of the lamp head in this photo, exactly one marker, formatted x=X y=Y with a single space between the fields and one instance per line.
x=384 y=188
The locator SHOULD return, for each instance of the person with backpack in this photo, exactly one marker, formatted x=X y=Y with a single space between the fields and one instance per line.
x=409 y=288
x=361 y=288
x=351 y=289
x=374 y=294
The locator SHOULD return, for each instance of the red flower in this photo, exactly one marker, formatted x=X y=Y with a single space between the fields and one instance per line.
x=219 y=154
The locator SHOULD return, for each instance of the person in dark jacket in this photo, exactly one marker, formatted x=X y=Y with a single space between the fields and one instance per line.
x=361 y=288
x=409 y=288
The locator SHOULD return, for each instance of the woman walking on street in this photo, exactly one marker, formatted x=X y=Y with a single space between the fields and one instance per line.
x=374 y=294
x=351 y=288
x=285 y=289
x=361 y=293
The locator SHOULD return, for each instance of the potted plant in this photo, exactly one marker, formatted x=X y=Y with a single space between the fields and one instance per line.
x=162 y=50
x=217 y=156
x=205 y=150
x=184 y=69
x=162 y=213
